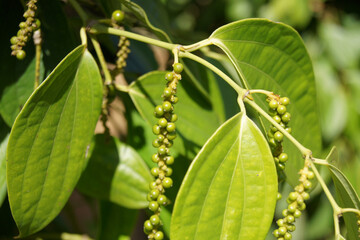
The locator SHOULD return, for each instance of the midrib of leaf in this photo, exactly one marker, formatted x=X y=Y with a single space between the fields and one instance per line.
x=209 y=187
x=52 y=148
x=233 y=174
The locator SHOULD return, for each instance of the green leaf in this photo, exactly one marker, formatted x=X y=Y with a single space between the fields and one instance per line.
x=3 y=146
x=346 y=197
x=192 y=131
x=158 y=21
x=116 y=172
x=117 y=223
x=272 y=56
x=49 y=141
x=229 y=191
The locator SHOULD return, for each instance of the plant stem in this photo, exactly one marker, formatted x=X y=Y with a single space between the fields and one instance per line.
x=99 y=29
x=37 y=41
x=320 y=162
x=196 y=46
x=352 y=210
x=267 y=93
x=79 y=10
x=241 y=91
x=304 y=151
x=99 y=53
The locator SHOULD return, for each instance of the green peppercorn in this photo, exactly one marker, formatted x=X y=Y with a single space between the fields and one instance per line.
x=273 y=104
x=168 y=172
x=170 y=127
x=167 y=92
x=159 y=111
x=162 y=150
x=153 y=206
x=155 y=158
x=178 y=68
x=159 y=235
x=154 y=194
x=277 y=118
x=169 y=76
x=156 y=143
x=152 y=185
x=167 y=106
x=171 y=135
x=174 y=117
x=283 y=157
x=286 y=117
x=169 y=160
x=162 y=122
x=155 y=220
x=147 y=225
x=278 y=136
x=118 y=16
x=155 y=171
x=284 y=101
x=162 y=200
x=281 y=109
x=20 y=54
x=167 y=182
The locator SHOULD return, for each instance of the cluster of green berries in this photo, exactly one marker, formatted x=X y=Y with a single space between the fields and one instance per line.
x=277 y=108
x=165 y=134
x=123 y=46
x=27 y=27
x=123 y=52
x=296 y=204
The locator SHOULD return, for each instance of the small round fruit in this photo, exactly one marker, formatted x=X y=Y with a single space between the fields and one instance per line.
x=280 y=222
x=170 y=127
x=158 y=111
x=286 y=117
x=178 y=67
x=155 y=171
x=162 y=200
x=307 y=184
x=310 y=175
x=167 y=106
x=282 y=230
x=169 y=76
x=13 y=40
x=293 y=196
x=167 y=92
x=155 y=158
x=290 y=219
x=154 y=194
x=281 y=109
x=278 y=196
x=276 y=233
x=297 y=213
x=159 y=235
x=287 y=236
x=20 y=54
x=167 y=182
x=305 y=196
x=152 y=185
x=155 y=220
x=292 y=207
x=168 y=172
x=174 y=99
x=147 y=225
x=288 y=129
x=162 y=122
x=277 y=118
x=162 y=150
x=284 y=101
x=278 y=136
x=153 y=206
x=273 y=104
x=169 y=160
x=283 y=157
x=174 y=117
x=22 y=25
x=156 y=143
x=161 y=137
x=118 y=15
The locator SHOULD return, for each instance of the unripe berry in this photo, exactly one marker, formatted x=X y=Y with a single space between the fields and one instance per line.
x=162 y=200
x=169 y=76
x=20 y=54
x=286 y=117
x=154 y=206
x=13 y=40
x=154 y=194
x=283 y=157
x=170 y=127
x=167 y=106
x=162 y=122
x=167 y=182
x=284 y=101
x=147 y=225
x=159 y=111
x=273 y=104
x=281 y=109
x=178 y=67
x=118 y=15
x=155 y=220
x=277 y=118
x=278 y=136
x=162 y=150
x=155 y=171
x=159 y=235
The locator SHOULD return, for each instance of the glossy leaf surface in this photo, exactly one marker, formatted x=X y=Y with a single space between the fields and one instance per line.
x=272 y=56
x=115 y=172
x=49 y=141
x=346 y=196
x=158 y=21
x=192 y=131
x=229 y=191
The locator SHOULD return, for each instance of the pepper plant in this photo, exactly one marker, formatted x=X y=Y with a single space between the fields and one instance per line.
x=211 y=141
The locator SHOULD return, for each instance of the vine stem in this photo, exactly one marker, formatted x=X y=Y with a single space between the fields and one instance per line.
x=99 y=53
x=99 y=29
x=37 y=41
x=242 y=93
x=304 y=151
